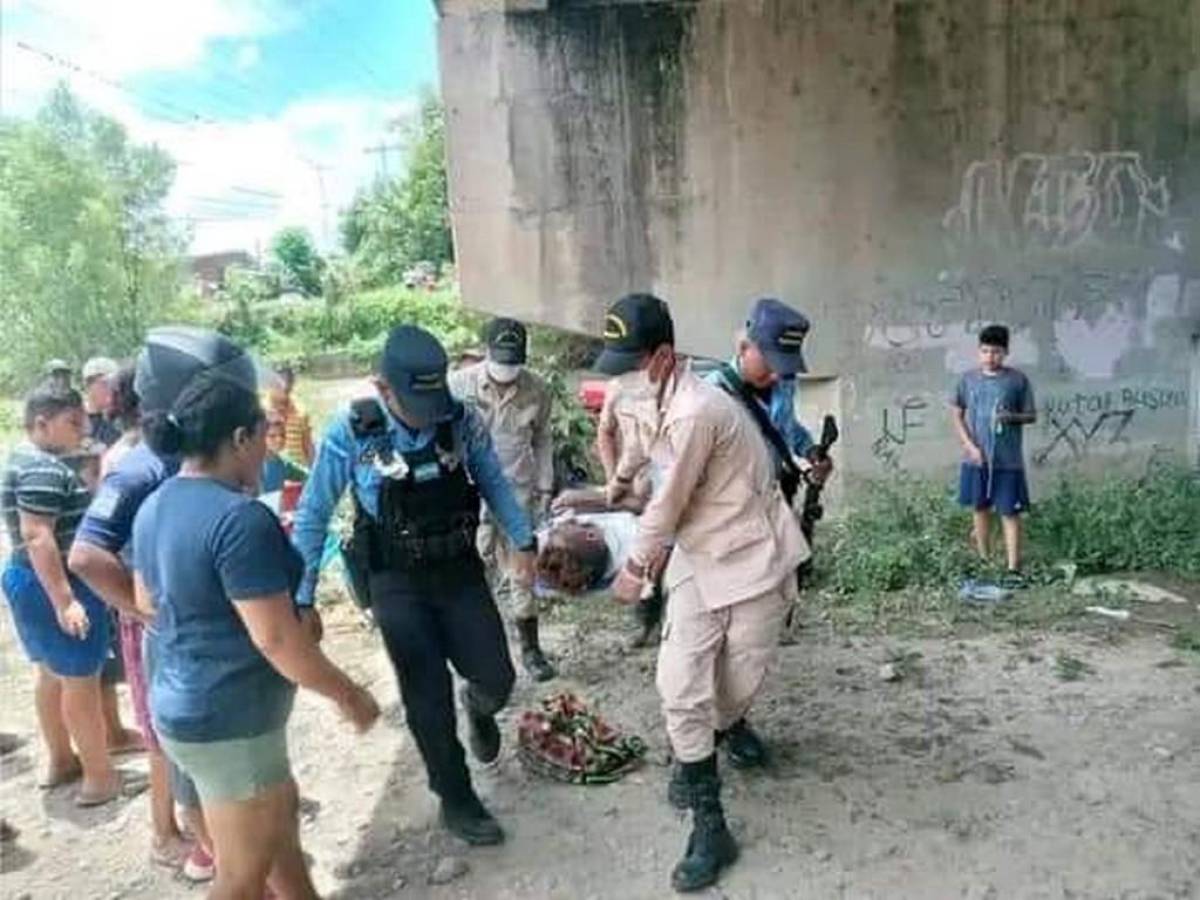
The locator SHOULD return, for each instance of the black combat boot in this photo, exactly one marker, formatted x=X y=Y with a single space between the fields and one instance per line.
x=679 y=789
x=465 y=816
x=483 y=734
x=743 y=748
x=710 y=846
x=532 y=657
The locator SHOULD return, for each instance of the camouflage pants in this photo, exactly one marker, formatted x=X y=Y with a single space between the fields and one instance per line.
x=497 y=553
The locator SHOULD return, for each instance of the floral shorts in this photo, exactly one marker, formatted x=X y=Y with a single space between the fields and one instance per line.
x=135 y=675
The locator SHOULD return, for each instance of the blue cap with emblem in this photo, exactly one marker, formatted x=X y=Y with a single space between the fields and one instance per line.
x=634 y=326
x=778 y=331
x=414 y=366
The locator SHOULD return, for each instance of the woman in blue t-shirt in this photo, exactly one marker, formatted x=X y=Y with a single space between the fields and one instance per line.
x=217 y=572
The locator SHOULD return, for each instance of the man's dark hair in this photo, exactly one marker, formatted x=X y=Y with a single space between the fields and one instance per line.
x=572 y=567
x=994 y=336
x=49 y=399
x=203 y=418
x=125 y=403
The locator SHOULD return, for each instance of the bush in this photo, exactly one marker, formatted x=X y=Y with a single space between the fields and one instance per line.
x=296 y=329
x=1127 y=523
x=911 y=533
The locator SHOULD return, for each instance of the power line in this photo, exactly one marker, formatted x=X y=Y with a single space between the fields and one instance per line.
x=231 y=102
x=352 y=52
x=72 y=66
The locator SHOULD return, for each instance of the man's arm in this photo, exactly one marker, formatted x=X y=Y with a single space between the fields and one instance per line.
x=104 y=532
x=488 y=475
x=37 y=534
x=799 y=439
x=691 y=441
x=105 y=573
x=608 y=433
x=595 y=500
x=331 y=474
x=958 y=420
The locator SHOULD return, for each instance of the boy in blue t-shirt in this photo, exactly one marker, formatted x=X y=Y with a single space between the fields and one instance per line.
x=990 y=408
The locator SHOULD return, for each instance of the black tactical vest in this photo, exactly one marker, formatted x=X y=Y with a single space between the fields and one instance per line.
x=428 y=507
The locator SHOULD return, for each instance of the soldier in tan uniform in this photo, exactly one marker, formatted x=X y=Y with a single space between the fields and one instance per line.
x=516 y=405
x=732 y=569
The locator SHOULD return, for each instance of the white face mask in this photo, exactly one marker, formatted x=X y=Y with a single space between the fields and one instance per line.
x=502 y=373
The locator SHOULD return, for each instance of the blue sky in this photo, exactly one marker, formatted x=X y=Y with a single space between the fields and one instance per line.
x=268 y=105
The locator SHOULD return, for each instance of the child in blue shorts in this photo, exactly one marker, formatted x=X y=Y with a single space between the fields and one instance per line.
x=62 y=625
x=991 y=407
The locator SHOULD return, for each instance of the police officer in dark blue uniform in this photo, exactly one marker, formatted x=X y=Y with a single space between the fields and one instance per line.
x=418 y=463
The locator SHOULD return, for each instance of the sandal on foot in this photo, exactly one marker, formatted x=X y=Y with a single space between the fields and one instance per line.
x=129 y=784
x=131 y=742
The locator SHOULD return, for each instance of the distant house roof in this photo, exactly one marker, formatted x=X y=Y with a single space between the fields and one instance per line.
x=209 y=268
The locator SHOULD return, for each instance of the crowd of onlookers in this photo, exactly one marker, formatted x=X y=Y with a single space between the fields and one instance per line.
x=68 y=579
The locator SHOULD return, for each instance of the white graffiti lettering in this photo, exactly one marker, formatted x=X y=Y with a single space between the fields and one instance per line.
x=1059 y=202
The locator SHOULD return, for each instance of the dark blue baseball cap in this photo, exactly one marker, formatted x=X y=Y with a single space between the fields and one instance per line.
x=507 y=341
x=635 y=325
x=414 y=366
x=778 y=331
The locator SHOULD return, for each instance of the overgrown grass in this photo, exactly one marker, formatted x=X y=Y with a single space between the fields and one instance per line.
x=900 y=554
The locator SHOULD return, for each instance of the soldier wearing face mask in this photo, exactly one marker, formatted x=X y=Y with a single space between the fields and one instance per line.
x=731 y=576
x=515 y=404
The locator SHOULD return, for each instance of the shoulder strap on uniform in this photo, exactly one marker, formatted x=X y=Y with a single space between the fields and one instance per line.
x=367 y=418
x=733 y=385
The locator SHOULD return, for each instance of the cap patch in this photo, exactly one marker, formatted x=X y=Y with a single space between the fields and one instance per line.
x=427 y=381
x=507 y=339
x=615 y=328
x=791 y=337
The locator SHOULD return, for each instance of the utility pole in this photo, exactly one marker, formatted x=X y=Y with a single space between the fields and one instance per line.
x=381 y=150
x=319 y=170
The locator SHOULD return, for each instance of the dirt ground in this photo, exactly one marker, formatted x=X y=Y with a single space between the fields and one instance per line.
x=980 y=773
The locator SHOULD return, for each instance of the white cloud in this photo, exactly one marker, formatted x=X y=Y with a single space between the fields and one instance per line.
x=127 y=36
x=278 y=157
x=218 y=160
x=247 y=57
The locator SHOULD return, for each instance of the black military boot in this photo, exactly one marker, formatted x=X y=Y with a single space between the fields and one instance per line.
x=483 y=734
x=710 y=846
x=679 y=791
x=532 y=657
x=743 y=748
x=465 y=816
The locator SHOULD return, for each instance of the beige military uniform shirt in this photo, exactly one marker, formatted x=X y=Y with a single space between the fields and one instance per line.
x=518 y=417
x=718 y=501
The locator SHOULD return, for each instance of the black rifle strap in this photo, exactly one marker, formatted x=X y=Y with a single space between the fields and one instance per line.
x=743 y=391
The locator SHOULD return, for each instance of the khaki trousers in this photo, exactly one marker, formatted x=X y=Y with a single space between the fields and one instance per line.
x=497 y=553
x=711 y=663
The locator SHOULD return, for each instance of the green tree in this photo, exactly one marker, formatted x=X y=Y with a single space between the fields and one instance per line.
x=295 y=253
x=406 y=220
x=88 y=257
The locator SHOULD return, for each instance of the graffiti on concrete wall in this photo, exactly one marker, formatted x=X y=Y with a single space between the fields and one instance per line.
x=896 y=428
x=1059 y=201
x=1094 y=315
x=1074 y=425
